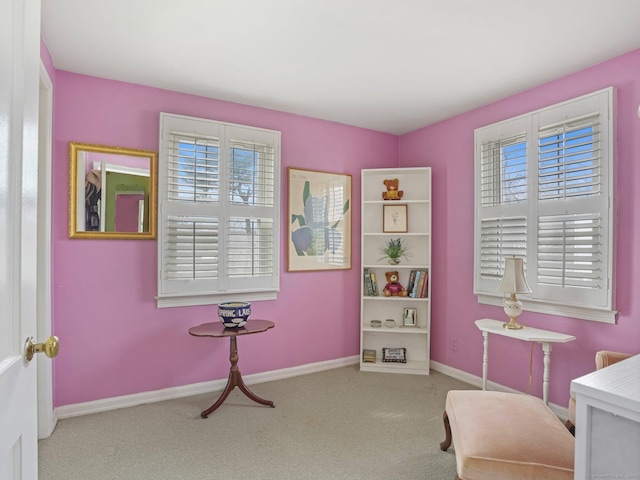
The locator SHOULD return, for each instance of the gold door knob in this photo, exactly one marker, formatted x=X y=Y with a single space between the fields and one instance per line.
x=50 y=347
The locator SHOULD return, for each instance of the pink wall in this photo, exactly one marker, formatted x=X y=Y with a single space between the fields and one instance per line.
x=115 y=342
x=448 y=148
x=114 y=339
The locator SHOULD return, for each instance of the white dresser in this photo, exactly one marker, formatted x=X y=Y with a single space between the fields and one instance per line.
x=608 y=422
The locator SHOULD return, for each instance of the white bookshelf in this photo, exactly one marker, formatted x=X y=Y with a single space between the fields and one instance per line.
x=416 y=185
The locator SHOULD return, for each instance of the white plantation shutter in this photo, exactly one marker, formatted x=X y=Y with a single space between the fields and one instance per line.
x=251 y=174
x=574 y=215
x=219 y=212
x=250 y=247
x=193 y=168
x=544 y=192
x=570 y=251
x=569 y=159
x=501 y=237
x=192 y=248
x=503 y=176
x=501 y=200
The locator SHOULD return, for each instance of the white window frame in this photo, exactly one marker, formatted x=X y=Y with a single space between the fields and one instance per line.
x=212 y=216
x=576 y=302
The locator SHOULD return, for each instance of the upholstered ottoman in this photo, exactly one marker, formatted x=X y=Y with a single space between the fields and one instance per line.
x=506 y=436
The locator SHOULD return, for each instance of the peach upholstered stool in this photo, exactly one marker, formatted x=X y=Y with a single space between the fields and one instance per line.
x=506 y=436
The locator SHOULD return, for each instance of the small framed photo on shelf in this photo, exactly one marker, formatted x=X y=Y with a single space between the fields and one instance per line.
x=395 y=355
x=394 y=218
x=410 y=317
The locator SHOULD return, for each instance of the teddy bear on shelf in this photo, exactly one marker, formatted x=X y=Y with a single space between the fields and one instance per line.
x=393 y=287
x=392 y=192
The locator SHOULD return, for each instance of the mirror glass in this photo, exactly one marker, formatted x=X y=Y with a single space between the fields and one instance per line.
x=112 y=192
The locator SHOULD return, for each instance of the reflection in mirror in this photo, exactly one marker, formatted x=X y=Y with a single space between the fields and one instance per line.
x=112 y=192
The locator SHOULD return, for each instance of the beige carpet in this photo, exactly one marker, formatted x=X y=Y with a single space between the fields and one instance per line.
x=337 y=424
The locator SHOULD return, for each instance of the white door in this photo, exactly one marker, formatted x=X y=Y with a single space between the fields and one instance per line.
x=19 y=88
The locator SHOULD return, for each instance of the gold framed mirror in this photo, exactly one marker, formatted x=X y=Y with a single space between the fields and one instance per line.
x=112 y=192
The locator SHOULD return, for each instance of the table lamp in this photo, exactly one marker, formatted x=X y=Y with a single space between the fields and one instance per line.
x=513 y=281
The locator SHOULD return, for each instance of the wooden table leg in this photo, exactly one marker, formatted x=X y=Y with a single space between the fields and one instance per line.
x=235 y=380
x=447 y=431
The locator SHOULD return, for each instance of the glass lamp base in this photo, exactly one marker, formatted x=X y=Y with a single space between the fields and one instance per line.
x=513 y=309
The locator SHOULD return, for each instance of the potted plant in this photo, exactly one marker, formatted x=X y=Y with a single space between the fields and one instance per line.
x=394 y=250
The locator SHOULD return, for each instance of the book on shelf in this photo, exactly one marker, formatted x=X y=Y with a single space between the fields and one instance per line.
x=420 y=285
x=368 y=285
x=412 y=279
x=416 y=282
x=425 y=286
x=374 y=284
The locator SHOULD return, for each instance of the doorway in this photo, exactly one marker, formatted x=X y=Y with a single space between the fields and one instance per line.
x=46 y=418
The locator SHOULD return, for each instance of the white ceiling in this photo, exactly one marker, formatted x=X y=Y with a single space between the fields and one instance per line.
x=389 y=65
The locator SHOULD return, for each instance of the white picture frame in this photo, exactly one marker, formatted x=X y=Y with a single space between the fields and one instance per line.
x=410 y=317
x=394 y=218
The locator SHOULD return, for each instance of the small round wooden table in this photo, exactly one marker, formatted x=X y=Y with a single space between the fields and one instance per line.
x=216 y=329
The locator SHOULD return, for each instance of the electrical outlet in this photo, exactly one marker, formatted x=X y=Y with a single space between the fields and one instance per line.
x=453 y=344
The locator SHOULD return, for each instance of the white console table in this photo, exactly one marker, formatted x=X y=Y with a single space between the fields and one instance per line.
x=608 y=421
x=527 y=334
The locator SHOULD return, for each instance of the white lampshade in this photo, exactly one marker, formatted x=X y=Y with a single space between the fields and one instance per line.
x=513 y=280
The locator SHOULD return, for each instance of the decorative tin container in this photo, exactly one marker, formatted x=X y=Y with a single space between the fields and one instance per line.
x=234 y=314
x=369 y=355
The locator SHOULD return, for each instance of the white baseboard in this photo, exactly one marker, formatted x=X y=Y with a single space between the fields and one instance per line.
x=476 y=381
x=123 y=401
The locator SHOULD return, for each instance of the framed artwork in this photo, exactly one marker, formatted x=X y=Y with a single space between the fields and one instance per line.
x=409 y=317
x=394 y=218
x=394 y=355
x=319 y=226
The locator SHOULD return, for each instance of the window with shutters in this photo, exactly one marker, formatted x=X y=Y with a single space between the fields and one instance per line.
x=219 y=207
x=544 y=191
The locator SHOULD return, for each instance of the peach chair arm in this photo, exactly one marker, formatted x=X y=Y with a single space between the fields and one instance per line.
x=604 y=358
